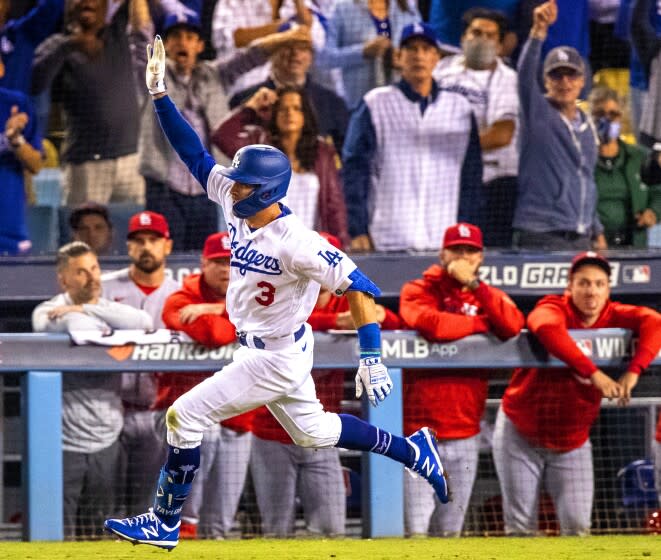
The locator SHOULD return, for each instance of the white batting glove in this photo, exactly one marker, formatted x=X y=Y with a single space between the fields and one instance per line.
x=155 y=72
x=373 y=376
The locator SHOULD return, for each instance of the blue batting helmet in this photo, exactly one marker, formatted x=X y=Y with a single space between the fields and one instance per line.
x=265 y=167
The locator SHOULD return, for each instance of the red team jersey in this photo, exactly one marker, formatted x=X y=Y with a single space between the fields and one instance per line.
x=329 y=383
x=210 y=330
x=555 y=408
x=451 y=402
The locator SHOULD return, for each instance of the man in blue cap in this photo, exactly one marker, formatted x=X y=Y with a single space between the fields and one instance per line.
x=412 y=199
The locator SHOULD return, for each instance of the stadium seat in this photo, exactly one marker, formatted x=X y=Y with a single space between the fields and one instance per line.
x=47 y=185
x=654 y=236
x=42 y=227
x=637 y=484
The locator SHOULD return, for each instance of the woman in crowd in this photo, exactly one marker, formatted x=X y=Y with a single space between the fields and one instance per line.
x=627 y=206
x=285 y=119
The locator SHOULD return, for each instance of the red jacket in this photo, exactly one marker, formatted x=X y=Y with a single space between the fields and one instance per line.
x=555 y=408
x=658 y=430
x=243 y=127
x=329 y=383
x=210 y=330
x=451 y=402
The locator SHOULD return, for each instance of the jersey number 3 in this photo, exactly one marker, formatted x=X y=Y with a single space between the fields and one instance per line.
x=268 y=293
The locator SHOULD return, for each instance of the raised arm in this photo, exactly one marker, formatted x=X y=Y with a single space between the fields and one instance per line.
x=179 y=133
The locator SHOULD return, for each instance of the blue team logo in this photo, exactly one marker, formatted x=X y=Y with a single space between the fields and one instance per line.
x=331 y=257
x=248 y=259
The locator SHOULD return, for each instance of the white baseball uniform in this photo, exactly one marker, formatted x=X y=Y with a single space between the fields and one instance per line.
x=276 y=272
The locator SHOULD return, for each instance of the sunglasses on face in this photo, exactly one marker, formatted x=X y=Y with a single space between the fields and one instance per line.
x=559 y=73
x=610 y=115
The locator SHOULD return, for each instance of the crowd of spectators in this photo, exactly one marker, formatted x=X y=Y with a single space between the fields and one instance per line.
x=397 y=129
x=491 y=131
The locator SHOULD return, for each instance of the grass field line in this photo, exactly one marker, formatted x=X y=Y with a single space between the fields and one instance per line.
x=543 y=548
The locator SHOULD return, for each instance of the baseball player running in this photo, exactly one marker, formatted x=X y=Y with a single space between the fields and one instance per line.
x=277 y=267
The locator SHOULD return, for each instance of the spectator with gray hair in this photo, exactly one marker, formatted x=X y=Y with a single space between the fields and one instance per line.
x=627 y=206
x=92 y=415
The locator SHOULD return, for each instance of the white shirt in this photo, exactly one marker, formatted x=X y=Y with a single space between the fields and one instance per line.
x=493 y=96
x=303 y=198
x=276 y=270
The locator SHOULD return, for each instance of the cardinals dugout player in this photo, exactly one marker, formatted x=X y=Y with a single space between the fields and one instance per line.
x=542 y=429
x=199 y=310
x=145 y=285
x=281 y=471
x=448 y=303
x=277 y=267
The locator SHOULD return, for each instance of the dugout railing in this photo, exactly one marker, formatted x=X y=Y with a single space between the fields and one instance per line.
x=43 y=357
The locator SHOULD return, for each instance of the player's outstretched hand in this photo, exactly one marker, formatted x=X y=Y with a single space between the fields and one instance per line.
x=373 y=377
x=155 y=72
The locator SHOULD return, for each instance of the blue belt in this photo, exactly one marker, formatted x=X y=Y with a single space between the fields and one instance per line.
x=260 y=343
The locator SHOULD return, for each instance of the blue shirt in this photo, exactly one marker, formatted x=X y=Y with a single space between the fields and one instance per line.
x=20 y=37
x=13 y=227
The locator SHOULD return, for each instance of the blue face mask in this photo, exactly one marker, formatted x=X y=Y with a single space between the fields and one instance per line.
x=607 y=130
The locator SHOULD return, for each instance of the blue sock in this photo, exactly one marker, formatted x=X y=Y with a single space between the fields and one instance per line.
x=357 y=434
x=175 y=482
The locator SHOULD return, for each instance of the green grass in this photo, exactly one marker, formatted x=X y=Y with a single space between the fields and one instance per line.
x=549 y=548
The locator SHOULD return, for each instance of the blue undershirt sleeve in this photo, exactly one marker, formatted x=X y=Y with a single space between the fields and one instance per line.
x=361 y=283
x=184 y=140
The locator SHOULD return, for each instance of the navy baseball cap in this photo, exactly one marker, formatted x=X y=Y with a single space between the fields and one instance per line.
x=186 y=21
x=564 y=57
x=419 y=30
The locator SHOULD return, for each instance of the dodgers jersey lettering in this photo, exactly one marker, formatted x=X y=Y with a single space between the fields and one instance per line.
x=270 y=293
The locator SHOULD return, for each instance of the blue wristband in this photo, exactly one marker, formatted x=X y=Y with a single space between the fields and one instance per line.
x=369 y=338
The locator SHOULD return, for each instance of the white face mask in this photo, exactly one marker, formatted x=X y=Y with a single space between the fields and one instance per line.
x=479 y=53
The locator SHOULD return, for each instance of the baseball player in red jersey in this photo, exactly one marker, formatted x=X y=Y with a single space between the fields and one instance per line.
x=282 y=471
x=543 y=426
x=198 y=309
x=448 y=303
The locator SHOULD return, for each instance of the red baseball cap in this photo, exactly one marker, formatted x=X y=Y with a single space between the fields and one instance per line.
x=149 y=221
x=217 y=246
x=333 y=240
x=463 y=234
x=590 y=257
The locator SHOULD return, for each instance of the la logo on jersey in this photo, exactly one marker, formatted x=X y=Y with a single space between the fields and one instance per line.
x=248 y=259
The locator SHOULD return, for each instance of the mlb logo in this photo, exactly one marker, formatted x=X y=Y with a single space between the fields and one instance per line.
x=637 y=274
x=144 y=219
x=585 y=346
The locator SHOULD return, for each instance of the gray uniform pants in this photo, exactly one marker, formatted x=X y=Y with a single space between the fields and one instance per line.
x=656 y=457
x=423 y=512
x=281 y=472
x=88 y=480
x=523 y=470
x=215 y=495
